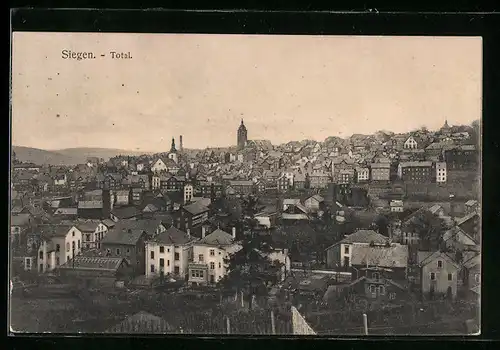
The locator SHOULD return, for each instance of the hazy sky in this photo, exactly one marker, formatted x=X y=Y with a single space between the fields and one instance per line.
x=200 y=86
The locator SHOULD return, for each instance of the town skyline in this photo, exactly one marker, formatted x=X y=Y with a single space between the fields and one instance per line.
x=347 y=85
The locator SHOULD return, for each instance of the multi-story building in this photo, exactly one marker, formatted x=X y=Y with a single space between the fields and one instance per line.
x=438 y=274
x=242 y=186
x=191 y=217
x=362 y=174
x=92 y=232
x=441 y=172
x=380 y=171
x=208 y=265
x=464 y=157
x=169 y=253
x=59 y=244
x=319 y=179
x=416 y=172
x=188 y=193
x=128 y=244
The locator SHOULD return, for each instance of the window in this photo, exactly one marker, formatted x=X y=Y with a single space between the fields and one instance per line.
x=168 y=250
x=392 y=296
x=162 y=262
x=176 y=270
x=372 y=288
x=212 y=266
x=57 y=261
x=152 y=255
x=67 y=258
x=67 y=247
x=152 y=268
x=440 y=264
x=212 y=252
x=200 y=258
x=41 y=256
x=73 y=245
x=375 y=275
x=433 y=276
x=58 y=248
x=176 y=256
x=168 y=262
x=78 y=244
x=128 y=251
x=197 y=273
x=73 y=233
x=28 y=264
x=117 y=251
x=162 y=249
x=450 y=277
x=477 y=278
x=346 y=249
x=87 y=237
x=220 y=265
x=381 y=290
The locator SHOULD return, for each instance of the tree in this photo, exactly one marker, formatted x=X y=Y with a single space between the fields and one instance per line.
x=250 y=268
x=429 y=228
x=381 y=223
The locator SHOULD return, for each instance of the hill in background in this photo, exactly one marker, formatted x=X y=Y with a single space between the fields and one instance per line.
x=68 y=156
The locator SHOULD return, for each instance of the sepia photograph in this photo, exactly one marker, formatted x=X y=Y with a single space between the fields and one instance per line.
x=229 y=184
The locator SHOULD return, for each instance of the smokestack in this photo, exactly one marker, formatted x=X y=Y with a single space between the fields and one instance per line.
x=180 y=142
x=203 y=231
x=234 y=232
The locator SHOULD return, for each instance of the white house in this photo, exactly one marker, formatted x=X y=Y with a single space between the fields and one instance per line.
x=313 y=203
x=59 y=243
x=92 y=232
x=165 y=165
x=208 y=264
x=410 y=143
x=396 y=206
x=441 y=172
x=155 y=182
x=363 y=174
x=60 y=180
x=188 y=193
x=169 y=252
x=140 y=167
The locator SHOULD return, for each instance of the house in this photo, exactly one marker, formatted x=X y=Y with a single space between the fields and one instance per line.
x=191 y=217
x=243 y=187
x=122 y=197
x=438 y=274
x=288 y=202
x=60 y=179
x=268 y=219
x=346 y=176
x=283 y=183
x=137 y=195
x=152 y=226
x=416 y=172
x=367 y=248
x=314 y=203
x=165 y=165
x=92 y=232
x=463 y=157
x=471 y=206
x=124 y=213
x=471 y=224
x=299 y=181
x=471 y=271
x=295 y=212
x=410 y=143
x=95 y=271
x=441 y=175
x=380 y=171
x=208 y=265
x=59 y=243
x=66 y=213
x=457 y=239
x=319 y=179
x=128 y=244
x=362 y=174
x=169 y=253
x=112 y=181
x=376 y=288
x=396 y=206
x=188 y=193
x=174 y=184
x=19 y=225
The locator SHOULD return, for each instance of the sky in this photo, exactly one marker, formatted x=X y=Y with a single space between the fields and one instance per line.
x=286 y=88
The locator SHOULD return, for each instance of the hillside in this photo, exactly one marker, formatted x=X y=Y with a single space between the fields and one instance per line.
x=69 y=156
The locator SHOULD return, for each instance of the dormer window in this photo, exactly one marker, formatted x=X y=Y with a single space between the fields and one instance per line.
x=440 y=264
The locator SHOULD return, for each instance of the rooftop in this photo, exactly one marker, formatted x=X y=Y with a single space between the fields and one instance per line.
x=217 y=237
x=196 y=208
x=394 y=256
x=365 y=236
x=172 y=236
x=129 y=237
x=93 y=263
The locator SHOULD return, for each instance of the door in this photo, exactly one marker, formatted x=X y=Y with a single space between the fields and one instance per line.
x=212 y=278
x=346 y=261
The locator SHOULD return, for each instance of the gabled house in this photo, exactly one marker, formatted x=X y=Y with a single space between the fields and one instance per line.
x=410 y=143
x=92 y=232
x=124 y=213
x=169 y=253
x=471 y=224
x=438 y=274
x=373 y=285
x=208 y=264
x=128 y=244
x=314 y=203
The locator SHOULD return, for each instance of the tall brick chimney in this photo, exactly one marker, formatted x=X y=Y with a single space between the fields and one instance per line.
x=180 y=143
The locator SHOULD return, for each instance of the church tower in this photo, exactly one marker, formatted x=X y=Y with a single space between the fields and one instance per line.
x=173 y=152
x=242 y=136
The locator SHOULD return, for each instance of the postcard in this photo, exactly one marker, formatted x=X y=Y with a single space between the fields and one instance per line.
x=245 y=184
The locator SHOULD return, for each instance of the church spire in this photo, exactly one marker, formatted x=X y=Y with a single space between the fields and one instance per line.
x=172 y=149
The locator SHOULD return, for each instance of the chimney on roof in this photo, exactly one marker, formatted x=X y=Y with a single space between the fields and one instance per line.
x=203 y=231
x=234 y=232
